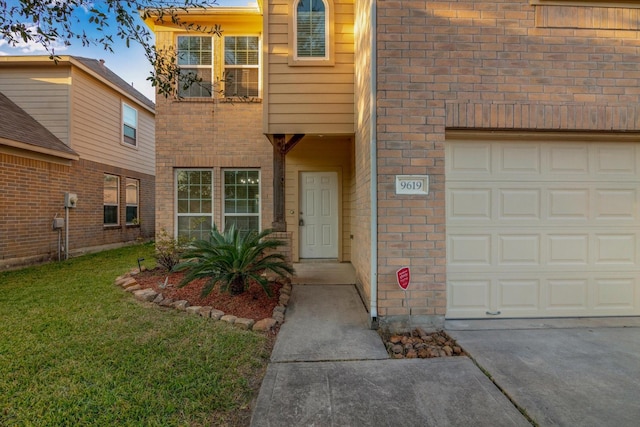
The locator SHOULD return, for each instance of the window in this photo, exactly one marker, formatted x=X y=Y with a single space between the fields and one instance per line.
x=194 y=205
x=311 y=29
x=241 y=66
x=111 y=198
x=129 y=125
x=195 y=59
x=242 y=199
x=132 y=194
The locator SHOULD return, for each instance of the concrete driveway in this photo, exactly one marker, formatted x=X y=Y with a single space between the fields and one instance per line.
x=565 y=372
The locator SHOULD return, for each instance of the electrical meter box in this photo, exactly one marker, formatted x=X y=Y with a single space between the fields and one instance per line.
x=58 y=223
x=70 y=200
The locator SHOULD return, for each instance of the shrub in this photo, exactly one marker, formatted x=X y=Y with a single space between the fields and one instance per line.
x=168 y=250
x=233 y=258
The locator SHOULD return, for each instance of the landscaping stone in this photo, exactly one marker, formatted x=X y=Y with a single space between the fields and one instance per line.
x=158 y=299
x=229 y=318
x=279 y=317
x=420 y=344
x=145 y=295
x=123 y=280
x=166 y=302
x=205 y=311
x=194 y=309
x=244 y=323
x=279 y=309
x=133 y=288
x=284 y=299
x=180 y=305
x=216 y=314
x=264 y=324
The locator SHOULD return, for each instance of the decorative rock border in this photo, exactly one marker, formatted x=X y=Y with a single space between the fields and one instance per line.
x=128 y=282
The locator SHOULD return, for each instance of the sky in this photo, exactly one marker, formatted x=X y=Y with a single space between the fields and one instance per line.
x=129 y=63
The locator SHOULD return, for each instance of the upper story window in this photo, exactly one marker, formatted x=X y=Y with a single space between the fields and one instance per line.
x=129 y=125
x=311 y=32
x=195 y=58
x=242 y=66
x=311 y=29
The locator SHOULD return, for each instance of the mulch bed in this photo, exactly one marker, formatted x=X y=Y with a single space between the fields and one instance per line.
x=252 y=304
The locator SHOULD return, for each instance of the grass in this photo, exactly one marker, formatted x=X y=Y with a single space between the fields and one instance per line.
x=77 y=350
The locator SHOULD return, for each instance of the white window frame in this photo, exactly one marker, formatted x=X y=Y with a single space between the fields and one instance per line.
x=126 y=140
x=257 y=66
x=328 y=58
x=197 y=67
x=224 y=205
x=178 y=214
x=105 y=204
x=128 y=203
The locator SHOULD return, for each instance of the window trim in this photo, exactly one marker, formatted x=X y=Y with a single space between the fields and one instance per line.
x=105 y=204
x=329 y=58
x=136 y=220
x=210 y=67
x=125 y=139
x=222 y=193
x=258 y=65
x=176 y=214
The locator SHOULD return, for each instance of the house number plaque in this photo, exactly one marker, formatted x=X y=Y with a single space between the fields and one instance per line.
x=412 y=184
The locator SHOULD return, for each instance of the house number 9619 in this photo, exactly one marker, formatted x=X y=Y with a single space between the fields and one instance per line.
x=412 y=184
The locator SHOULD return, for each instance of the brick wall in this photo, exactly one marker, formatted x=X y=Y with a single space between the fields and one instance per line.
x=33 y=194
x=214 y=135
x=480 y=65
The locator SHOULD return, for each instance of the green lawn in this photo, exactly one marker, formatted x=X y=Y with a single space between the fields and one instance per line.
x=77 y=350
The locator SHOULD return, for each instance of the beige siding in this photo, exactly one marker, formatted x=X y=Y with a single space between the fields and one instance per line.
x=361 y=214
x=96 y=132
x=41 y=92
x=309 y=99
x=320 y=154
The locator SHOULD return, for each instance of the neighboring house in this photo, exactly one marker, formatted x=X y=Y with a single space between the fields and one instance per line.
x=523 y=115
x=72 y=128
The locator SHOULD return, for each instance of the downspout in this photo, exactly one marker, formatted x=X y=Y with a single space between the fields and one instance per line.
x=374 y=171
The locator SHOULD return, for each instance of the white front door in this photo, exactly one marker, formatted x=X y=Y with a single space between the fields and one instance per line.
x=318 y=215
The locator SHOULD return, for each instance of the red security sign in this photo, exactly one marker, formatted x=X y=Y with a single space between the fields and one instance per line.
x=404 y=277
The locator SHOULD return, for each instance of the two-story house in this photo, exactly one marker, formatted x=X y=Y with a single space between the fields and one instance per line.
x=491 y=147
x=77 y=159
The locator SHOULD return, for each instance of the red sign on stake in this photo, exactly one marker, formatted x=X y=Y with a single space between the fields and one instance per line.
x=404 y=277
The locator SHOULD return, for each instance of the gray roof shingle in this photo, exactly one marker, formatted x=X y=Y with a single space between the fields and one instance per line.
x=17 y=125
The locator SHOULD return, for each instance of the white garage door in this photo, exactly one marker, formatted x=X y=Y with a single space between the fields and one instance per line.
x=542 y=229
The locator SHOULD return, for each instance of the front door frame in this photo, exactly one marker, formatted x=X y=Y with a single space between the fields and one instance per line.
x=297 y=186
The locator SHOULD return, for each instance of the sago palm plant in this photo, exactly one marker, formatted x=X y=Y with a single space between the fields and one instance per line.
x=233 y=258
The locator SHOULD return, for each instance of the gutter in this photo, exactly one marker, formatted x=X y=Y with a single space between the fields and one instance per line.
x=373 y=311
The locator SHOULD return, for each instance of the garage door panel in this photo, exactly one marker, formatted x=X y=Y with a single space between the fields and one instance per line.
x=471 y=249
x=521 y=296
x=552 y=229
x=615 y=295
x=469 y=297
x=616 y=159
x=616 y=249
x=568 y=204
x=470 y=203
x=519 y=159
x=521 y=250
x=567 y=249
x=519 y=204
x=615 y=204
x=569 y=294
x=563 y=159
x=470 y=159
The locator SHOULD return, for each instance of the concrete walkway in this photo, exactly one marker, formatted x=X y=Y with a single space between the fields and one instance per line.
x=329 y=369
